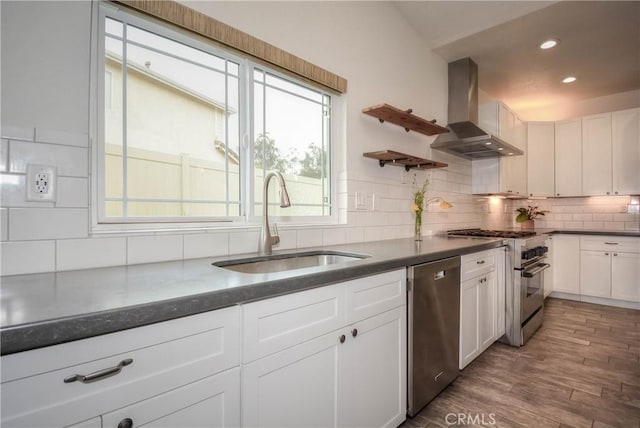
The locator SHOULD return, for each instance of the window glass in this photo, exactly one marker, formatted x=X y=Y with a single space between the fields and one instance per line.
x=173 y=115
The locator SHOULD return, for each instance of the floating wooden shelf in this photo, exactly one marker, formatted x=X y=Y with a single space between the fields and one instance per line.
x=402 y=159
x=404 y=118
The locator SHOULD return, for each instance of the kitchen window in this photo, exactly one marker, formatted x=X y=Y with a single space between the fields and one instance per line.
x=187 y=131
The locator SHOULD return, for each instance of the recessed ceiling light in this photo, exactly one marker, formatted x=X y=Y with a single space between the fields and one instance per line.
x=488 y=143
x=510 y=153
x=548 y=44
x=500 y=148
x=569 y=79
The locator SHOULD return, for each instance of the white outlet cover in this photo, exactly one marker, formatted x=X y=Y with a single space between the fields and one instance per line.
x=41 y=183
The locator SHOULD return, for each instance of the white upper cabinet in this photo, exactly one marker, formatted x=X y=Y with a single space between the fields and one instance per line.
x=625 y=137
x=540 y=158
x=568 y=157
x=596 y=155
x=505 y=174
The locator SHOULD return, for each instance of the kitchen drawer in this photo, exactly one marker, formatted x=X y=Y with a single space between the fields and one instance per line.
x=476 y=264
x=153 y=369
x=610 y=243
x=372 y=295
x=211 y=402
x=272 y=325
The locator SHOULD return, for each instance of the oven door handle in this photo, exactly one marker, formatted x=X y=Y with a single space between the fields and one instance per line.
x=536 y=270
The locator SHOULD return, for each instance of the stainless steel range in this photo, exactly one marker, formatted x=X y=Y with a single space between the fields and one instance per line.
x=525 y=264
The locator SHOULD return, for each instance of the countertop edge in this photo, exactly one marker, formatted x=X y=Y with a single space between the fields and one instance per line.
x=24 y=337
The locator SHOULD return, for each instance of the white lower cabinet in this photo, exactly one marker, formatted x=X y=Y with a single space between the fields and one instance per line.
x=595 y=271
x=478 y=305
x=167 y=369
x=354 y=375
x=566 y=264
x=625 y=276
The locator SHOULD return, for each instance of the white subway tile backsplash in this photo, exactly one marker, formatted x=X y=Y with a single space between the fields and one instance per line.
x=73 y=192
x=241 y=242
x=309 y=238
x=13 y=192
x=47 y=223
x=593 y=225
x=371 y=234
x=149 y=249
x=62 y=137
x=90 y=253
x=288 y=239
x=17 y=133
x=4 y=154
x=582 y=217
x=206 y=245
x=70 y=161
x=4 y=224
x=27 y=257
x=354 y=234
x=602 y=217
x=334 y=236
x=632 y=226
x=613 y=225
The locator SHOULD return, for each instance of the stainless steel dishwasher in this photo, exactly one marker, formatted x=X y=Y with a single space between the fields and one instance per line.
x=433 y=329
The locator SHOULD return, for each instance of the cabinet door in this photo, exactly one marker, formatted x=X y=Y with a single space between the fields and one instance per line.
x=297 y=387
x=374 y=371
x=566 y=263
x=626 y=151
x=211 y=402
x=596 y=155
x=487 y=310
x=469 y=344
x=518 y=164
x=91 y=423
x=548 y=274
x=595 y=273
x=540 y=158
x=625 y=274
x=500 y=291
x=568 y=158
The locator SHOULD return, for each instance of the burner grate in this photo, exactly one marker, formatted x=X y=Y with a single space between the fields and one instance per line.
x=514 y=234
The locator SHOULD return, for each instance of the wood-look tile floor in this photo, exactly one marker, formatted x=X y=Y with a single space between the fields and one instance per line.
x=580 y=369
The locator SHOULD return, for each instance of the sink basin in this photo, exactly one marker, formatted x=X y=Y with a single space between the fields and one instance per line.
x=287 y=262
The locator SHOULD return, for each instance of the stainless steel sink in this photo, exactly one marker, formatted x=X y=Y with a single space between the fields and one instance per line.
x=287 y=262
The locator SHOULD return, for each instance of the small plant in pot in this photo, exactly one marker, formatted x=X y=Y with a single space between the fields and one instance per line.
x=526 y=216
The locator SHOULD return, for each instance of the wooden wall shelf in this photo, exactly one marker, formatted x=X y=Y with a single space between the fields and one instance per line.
x=405 y=119
x=385 y=157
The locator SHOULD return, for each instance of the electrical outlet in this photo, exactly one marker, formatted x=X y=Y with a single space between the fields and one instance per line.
x=41 y=183
x=361 y=201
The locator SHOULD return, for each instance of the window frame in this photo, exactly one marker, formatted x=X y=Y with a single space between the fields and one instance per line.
x=248 y=217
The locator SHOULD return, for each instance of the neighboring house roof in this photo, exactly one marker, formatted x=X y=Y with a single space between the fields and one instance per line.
x=158 y=77
x=222 y=147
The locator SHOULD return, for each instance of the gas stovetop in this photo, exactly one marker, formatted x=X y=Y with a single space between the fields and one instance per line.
x=513 y=234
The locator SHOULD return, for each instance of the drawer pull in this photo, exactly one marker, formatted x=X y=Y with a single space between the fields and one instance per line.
x=354 y=332
x=611 y=243
x=126 y=423
x=100 y=374
x=480 y=262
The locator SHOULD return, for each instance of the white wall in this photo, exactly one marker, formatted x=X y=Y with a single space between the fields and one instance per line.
x=45 y=120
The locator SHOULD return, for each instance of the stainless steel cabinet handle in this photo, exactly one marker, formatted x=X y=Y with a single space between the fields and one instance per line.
x=615 y=254
x=100 y=374
x=480 y=262
x=342 y=338
x=354 y=332
x=606 y=254
x=126 y=423
x=611 y=243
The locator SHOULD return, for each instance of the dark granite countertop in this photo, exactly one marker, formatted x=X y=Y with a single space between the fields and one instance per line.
x=39 y=310
x=589 y=232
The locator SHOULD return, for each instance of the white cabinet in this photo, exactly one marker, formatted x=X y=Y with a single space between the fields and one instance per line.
x=478 y=304
x=548 y=273
x=505 y=174
x=568 y=158
x=540 y=158
x=501 y=283
x=306 y=371
x=625 y=132
x=566 y=264
x=596 y=155
x=170 y=357
x=610 y=267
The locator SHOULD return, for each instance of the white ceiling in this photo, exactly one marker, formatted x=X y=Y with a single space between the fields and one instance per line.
x=599 y=44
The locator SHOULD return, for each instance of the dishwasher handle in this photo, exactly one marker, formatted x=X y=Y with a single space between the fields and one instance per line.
x=440 y=274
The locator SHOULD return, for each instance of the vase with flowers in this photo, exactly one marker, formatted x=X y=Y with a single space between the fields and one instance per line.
x=420 y=203
x=527 y=215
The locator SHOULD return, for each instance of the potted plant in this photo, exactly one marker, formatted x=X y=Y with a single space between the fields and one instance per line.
x=526 y=216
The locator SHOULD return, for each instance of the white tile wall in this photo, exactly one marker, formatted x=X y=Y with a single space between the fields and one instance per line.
x=4 y=224
x=61 y=137
x=70 y=161
x=73 y=192
x=206 y=245
x=157 y=248
x=4 y=154
x=48 y=223
x=243 y=241
x=90 y=253
x=13 y=192
x=309 y=238
x=27 y=257
x=17 y=133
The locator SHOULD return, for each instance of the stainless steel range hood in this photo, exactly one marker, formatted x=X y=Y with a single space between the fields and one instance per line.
x=466 y=138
